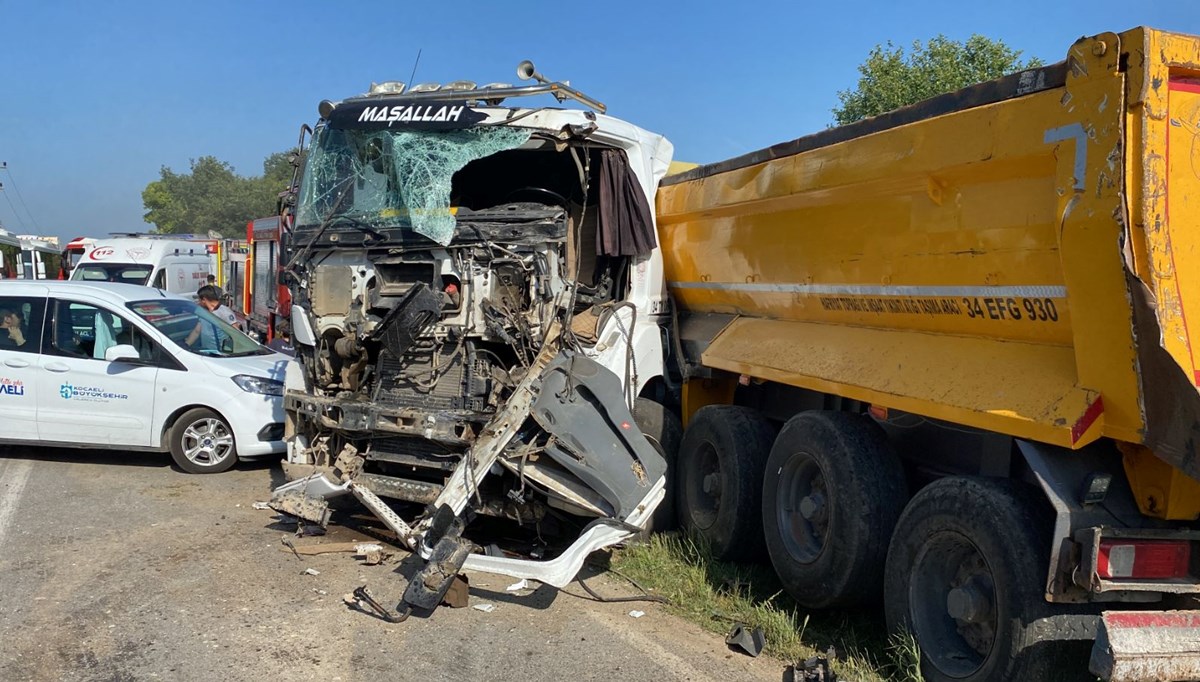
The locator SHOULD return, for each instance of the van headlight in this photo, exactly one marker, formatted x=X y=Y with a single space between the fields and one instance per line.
x=251 y=384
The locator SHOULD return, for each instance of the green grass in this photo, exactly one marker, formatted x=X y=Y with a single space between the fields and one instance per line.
x=715 y=594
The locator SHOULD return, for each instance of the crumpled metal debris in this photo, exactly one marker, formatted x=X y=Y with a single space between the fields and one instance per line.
x=311 y=571
x=295 y=503
x=371 y=552
x=485 y=607
x=815 y=669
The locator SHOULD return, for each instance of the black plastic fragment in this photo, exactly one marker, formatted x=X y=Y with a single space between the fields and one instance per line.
x=429 y=586
x=749 y=641
x=420 y=307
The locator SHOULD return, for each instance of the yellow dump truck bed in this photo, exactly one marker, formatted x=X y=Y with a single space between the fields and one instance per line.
x=1022 y=256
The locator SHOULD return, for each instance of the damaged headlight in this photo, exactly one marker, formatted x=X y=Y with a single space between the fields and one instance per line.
x=251 y=384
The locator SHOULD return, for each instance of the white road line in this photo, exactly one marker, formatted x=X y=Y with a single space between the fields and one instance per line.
x=13 y=475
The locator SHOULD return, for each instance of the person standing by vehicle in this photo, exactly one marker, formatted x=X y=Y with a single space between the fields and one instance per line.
x=282 y=343
x=209 y=299
x=212 y=283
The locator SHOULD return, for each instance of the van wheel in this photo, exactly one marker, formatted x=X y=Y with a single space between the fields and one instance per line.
x=720 y=476
x=202 y=442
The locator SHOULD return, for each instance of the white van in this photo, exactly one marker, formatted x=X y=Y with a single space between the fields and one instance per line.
x=175 y=266
x=120 y=366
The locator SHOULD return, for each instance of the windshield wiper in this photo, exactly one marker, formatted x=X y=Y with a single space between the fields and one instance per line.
x=257 y=351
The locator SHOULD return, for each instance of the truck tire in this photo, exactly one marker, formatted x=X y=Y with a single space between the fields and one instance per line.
x=966 y=575
x=664 y=431
x=201 y=442
x=720 y=468
x=832 y=493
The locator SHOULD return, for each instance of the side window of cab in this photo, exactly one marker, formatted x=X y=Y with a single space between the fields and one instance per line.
x=160 y=280
x=21 y=323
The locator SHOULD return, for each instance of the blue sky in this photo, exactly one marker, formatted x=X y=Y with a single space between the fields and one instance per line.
x=96 y=97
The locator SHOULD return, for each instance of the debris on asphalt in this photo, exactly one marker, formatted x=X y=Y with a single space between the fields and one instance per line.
x=362 y=600
x=371 y=552
x=311 y=571
x=521 y=584
x=323 y=547
x=320 y=592
x=261 y=506
x=636 y=614
x=297 y=504
x=815 y=669
x=485 y=607
x=457 y=595
x=287 y=542
x=750 y=641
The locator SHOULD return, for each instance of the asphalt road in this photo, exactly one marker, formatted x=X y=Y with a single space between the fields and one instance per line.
x=115 y=567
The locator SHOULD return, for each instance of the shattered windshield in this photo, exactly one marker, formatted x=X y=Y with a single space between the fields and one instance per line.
x=379 y=179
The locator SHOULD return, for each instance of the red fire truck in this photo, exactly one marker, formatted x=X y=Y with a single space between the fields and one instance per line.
x=266 y=299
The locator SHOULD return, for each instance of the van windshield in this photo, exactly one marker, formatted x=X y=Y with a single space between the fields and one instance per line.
x=196 y=330
x=126 y=273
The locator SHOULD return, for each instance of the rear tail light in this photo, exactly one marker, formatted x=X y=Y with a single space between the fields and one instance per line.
x=1144 y=559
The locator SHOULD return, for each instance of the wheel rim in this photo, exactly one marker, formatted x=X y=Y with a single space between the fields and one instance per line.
x=804 y=508
x=703 y=486
x=952 y=599
x=207 y=442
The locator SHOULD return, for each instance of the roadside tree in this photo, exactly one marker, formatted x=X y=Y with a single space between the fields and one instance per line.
x=890 y=78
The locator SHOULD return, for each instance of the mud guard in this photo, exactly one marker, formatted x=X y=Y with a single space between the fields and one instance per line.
x=1147 y=645
x=581 y=404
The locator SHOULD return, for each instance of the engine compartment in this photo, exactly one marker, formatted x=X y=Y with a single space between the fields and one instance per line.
x=418 y=344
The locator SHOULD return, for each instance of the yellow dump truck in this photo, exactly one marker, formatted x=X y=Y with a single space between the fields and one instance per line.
x=943 y=355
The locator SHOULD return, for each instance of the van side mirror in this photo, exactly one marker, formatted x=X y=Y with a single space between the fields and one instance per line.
x=122 y=353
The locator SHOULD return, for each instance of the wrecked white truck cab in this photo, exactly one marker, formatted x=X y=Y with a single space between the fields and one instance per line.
x=477 y=309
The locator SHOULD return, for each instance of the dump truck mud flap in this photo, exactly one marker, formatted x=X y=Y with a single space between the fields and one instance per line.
x=1147 y=645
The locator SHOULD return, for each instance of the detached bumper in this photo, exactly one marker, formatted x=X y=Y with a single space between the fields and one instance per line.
x=1147 y=645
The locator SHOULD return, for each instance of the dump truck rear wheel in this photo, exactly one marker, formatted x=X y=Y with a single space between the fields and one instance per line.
x=965 y=576
x=664 y=431
x=720 y=468
x=832 y=493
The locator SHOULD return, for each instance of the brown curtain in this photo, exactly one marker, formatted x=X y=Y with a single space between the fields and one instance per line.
x=626 y=225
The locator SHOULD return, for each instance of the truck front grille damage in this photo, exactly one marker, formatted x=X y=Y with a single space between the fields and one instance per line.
x=440 y=366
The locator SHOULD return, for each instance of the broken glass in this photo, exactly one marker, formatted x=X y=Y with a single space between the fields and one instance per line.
x=381 y=179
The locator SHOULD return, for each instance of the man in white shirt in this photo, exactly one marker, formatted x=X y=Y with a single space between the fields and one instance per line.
x=209 y=299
